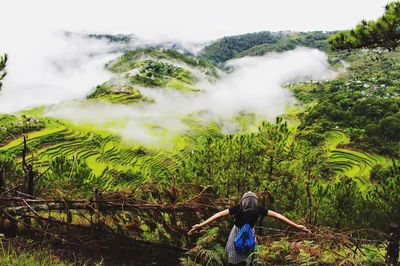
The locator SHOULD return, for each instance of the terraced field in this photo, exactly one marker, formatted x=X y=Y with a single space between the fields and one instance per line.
x=352 y=163
x=108 y=157
x=115 y=164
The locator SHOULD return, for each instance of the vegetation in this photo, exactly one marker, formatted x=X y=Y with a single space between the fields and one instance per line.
x=129 y=60
x=9 y=255
x=3 y=73
x=313 y=39
x=123 y=94
x=111 y=37
x=364 y=102
x=383 y=33
x=337 y=170
x=157 y=74
x=260 y=43
x=152 y=67
x=12 y=127
x=287 y=251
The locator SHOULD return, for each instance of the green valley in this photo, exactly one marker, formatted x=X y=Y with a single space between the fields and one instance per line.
x=168 y=138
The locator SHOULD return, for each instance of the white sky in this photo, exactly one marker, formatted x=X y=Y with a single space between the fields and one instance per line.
x=182 y=19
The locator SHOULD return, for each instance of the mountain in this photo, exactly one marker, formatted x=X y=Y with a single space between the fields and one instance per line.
x=260 y=43
x=152 y=67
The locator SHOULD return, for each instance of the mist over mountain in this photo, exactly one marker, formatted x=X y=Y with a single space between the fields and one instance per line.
x=254 y=86
x=68 y=65
x=125 y=124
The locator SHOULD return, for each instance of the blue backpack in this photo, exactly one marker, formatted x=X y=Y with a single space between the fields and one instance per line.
x=245 y=242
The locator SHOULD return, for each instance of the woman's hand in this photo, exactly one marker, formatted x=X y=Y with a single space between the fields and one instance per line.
x=194 y=228
x=303 y=228
x=286 y=220
x=210 y=220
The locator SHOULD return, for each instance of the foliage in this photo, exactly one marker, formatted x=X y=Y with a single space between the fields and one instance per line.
x=3 y=73
x=157 y=74
x=206 y=251
x=305 y=252
x=111 y=37
x=313 y=39
x=118 y=94
x=260 y=43
x=365 y=101
x=234 y=164
x=292 y=169
x=190 y=60
x=152 y=67
x=374 y=122
x=23 y=251
x=11 y=256
x=35 y=144
x=382 y=33
x=227 y=47
x=277 y=251
x=73 y=175
x=384 y=197
x=12 y=126
x=10 y=171
x=270 y=160
x=128 y=60
x=295 y=175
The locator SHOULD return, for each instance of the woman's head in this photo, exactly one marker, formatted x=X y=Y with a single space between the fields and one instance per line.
x=249 y=201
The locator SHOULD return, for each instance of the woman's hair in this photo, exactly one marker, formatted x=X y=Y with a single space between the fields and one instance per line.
x=249 y=201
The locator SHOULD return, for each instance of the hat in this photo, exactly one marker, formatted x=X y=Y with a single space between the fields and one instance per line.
x=249 y=201
x=249 y=194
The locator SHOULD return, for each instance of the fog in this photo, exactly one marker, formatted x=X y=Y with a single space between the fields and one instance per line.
x=59 y=69
x=255 y=86
x=46 y=67
x=53 y=68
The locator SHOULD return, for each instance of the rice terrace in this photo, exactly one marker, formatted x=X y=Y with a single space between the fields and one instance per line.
x=169 y=136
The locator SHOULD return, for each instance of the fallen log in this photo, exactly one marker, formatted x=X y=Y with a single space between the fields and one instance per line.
x=9 y=204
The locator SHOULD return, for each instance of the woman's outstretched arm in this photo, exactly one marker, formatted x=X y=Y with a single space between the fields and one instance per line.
x=286 y=220
x=210 y=220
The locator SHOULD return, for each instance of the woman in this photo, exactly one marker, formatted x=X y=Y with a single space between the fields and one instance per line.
x=247 y=212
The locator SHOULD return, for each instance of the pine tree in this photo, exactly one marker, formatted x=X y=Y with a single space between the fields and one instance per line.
x=384 y=33
x=3 y=73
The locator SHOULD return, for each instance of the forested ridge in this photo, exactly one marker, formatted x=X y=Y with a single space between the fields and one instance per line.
x=260 y=43
x=331 y=162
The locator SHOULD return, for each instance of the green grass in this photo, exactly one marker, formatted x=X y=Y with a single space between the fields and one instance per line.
x=291 y=114
x=181 y=86
x=352 y=163
x=107 y=155
x=34 y=135
x=117 y=93
x=13 y=257
x=128 y=60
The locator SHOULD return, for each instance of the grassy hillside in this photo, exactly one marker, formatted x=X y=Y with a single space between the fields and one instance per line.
x=109 y=157
x=351 y=162
x=112 y=163
x=364 y=101
x=106 y=155
x=152 y=68
x=339 y=155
